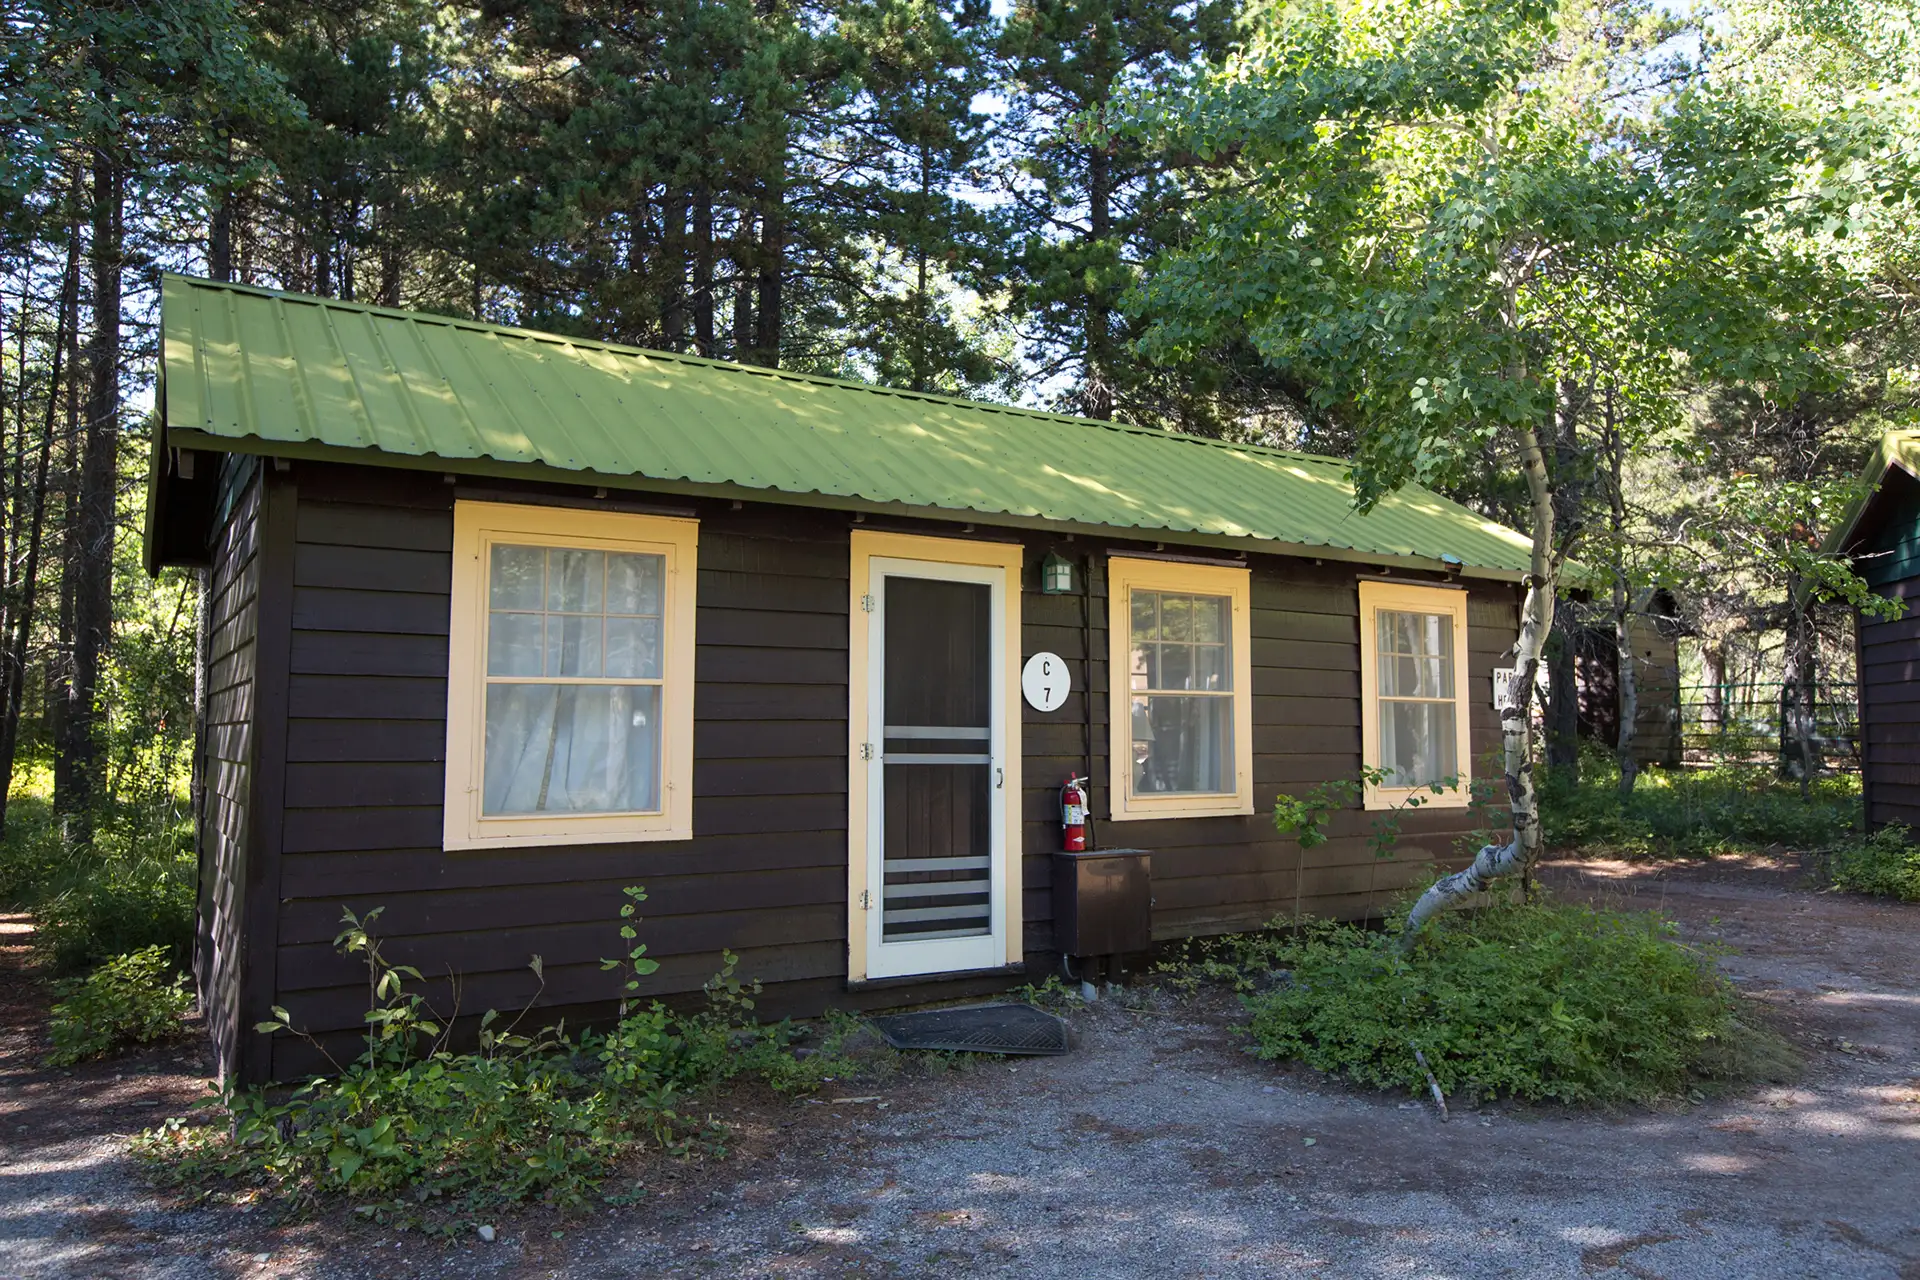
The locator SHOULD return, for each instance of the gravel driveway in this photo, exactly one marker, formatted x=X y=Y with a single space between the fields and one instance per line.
x=1155 y=1149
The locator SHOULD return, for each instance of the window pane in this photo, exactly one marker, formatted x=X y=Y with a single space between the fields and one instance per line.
x=1146 y=665
x=1210 y=617
x=1210 y=667
x=633 y=648
x=1146 y=606
x=1176 y=617
x=513 y=644
x=633 y=584
x=1182 y=744
x=1417 y=742
x=516 y=578
x=572 y=749
x=573 y=645
x=1418 y=634
x=574 y=579
x=1176 y=667
x=1416 y=677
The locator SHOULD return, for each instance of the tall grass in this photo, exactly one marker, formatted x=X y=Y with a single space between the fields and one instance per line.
x=132 y=888
x=1694 y=813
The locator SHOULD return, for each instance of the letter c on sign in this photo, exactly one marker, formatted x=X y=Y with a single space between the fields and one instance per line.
x=1044 y=682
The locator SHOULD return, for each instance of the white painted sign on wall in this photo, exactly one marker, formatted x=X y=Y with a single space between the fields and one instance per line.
x=1045 y=682
x=1505 y=680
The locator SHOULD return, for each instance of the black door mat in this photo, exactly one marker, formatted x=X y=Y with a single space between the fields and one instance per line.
x=980 y=1028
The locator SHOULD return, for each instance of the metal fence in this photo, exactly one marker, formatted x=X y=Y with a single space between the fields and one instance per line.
x=1748 y=725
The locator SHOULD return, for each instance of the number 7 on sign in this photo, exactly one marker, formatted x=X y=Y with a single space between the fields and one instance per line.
x=1045 y=682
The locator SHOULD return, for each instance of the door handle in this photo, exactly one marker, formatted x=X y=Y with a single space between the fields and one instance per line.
x=999 y=779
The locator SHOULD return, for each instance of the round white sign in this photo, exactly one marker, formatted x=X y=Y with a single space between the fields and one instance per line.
x=1045 y=682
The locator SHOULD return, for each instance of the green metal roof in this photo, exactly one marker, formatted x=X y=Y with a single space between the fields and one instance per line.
x=254 y=370
x=1896 y=449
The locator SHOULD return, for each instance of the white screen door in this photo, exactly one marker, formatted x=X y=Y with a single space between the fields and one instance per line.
x=936 y=817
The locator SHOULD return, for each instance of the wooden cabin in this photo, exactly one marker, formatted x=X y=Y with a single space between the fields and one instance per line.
x=503 y=622
x=1880 y=534
x=1653 y=631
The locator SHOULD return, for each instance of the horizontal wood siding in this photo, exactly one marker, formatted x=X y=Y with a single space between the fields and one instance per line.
x=765 y=875
x=1889 y=662
x=366 y=754
x=1221 y=874
x=233 y=585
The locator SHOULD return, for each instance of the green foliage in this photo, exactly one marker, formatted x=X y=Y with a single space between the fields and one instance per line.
x=1730 y=808
x=1305 y=817
x=135 y=998
x=1538 y=1002
x=1885 y=864
x=135 y=890
x=414 y=1132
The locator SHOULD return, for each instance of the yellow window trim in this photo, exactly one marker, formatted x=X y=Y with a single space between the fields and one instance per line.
x=476 y=527
x=866 y=547
x=1375 y=596
x=1123 y=576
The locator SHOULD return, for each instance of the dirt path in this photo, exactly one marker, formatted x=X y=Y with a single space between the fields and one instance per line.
x=1158 y=1149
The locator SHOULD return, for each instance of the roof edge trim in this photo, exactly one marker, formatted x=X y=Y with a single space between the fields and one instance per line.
x=189 y=438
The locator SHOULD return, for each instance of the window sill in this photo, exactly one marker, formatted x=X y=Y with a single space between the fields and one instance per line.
x=1184 y=807
x=1380 y=801
x=538 y=839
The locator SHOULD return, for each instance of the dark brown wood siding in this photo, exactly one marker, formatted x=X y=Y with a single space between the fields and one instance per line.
x=227 y=743
x=1221 y=874
x=1888 y=656
x=1890 y=710
x=359 y=746
x=366 y=745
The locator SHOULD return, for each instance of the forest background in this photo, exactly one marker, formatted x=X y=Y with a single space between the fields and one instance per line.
x=907 y=192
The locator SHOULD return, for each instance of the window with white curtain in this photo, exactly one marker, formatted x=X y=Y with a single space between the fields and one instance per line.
x=1182 y=715
x=1413 y=678
x=569 y=715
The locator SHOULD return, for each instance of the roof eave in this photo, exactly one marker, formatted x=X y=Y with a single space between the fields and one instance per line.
x=190 y=438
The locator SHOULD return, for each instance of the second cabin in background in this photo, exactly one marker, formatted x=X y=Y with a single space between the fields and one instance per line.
x=502 y=622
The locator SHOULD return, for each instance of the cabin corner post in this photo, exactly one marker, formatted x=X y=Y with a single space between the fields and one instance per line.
x=266 y=800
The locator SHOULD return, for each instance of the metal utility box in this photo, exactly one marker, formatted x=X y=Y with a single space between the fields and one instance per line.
x=1102 y=902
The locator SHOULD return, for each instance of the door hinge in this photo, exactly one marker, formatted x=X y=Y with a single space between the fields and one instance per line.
x=866 y=900
x=866 y=751
x=866 y=603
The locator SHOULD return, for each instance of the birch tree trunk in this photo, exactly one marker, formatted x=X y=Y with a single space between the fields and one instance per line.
x=1520 y=852
x=1626 y=690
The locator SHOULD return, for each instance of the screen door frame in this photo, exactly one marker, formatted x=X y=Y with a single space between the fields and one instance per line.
x=997 y=565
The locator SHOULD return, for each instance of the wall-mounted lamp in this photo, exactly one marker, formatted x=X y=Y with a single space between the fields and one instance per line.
x=1056 y=575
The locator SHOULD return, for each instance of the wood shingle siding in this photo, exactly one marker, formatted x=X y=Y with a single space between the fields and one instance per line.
x=354 y=819
x=232 y=598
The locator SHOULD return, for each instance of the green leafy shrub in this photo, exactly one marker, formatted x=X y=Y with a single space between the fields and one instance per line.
x=1690 y=813
x=1538 y=1002
x=411 y=1126
x=131 y=999
x=1885 y=864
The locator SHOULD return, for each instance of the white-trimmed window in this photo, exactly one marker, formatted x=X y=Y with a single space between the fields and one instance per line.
x=1413 y=687
x=1182 y=680
x=570 y=677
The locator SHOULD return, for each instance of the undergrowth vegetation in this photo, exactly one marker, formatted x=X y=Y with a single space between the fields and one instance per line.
x=1542 y=1002
x=131 y=999
x=1885 y=864
x=1690 y=813
x=132 y=888
x=417 y=1133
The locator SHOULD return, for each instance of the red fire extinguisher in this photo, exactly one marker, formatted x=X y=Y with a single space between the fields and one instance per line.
x=1073 y=814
